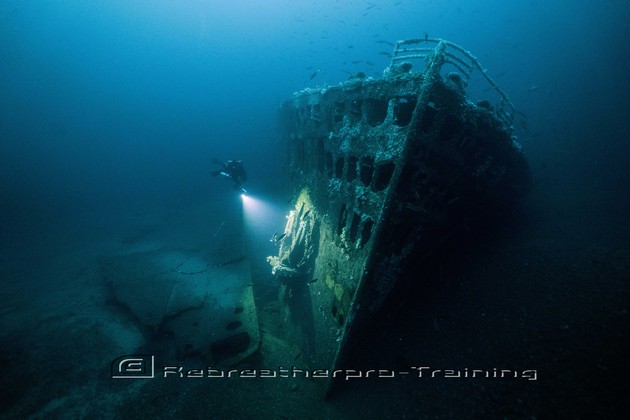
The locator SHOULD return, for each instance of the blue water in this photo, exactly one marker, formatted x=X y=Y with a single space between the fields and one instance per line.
x=109 y=109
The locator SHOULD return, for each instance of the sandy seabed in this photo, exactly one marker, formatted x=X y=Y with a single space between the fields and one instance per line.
x=550 y=295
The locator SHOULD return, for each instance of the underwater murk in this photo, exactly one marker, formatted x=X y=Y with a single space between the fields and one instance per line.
x=314 y=209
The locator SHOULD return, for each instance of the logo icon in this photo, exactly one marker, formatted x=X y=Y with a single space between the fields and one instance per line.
x=134 y=366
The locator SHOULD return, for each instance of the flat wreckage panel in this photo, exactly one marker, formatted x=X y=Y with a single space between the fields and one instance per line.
x=383 y=172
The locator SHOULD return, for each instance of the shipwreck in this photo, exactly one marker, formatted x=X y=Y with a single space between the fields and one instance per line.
x=383 y=172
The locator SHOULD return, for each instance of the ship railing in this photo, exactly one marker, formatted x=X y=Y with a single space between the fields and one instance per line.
x=458 y=57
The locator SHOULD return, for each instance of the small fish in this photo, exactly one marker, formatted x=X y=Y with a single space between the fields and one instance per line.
x=277 y=239
x=533 y=88
x=385 y=53
x=369 y=63
x=311 y=281
x=391 y=44
x=315 y=73
x=357 y=61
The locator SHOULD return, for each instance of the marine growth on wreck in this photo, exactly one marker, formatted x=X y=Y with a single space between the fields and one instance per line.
x=383 y=172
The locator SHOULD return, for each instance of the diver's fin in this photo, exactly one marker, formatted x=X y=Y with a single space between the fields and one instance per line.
x=215 y=173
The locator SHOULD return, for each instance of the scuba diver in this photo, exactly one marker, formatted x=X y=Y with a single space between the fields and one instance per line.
x=234 y=170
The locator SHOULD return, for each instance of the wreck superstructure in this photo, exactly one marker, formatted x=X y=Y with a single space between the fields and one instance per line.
x=384 y=172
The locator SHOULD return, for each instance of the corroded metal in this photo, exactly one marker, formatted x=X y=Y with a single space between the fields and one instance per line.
x=383 y=172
